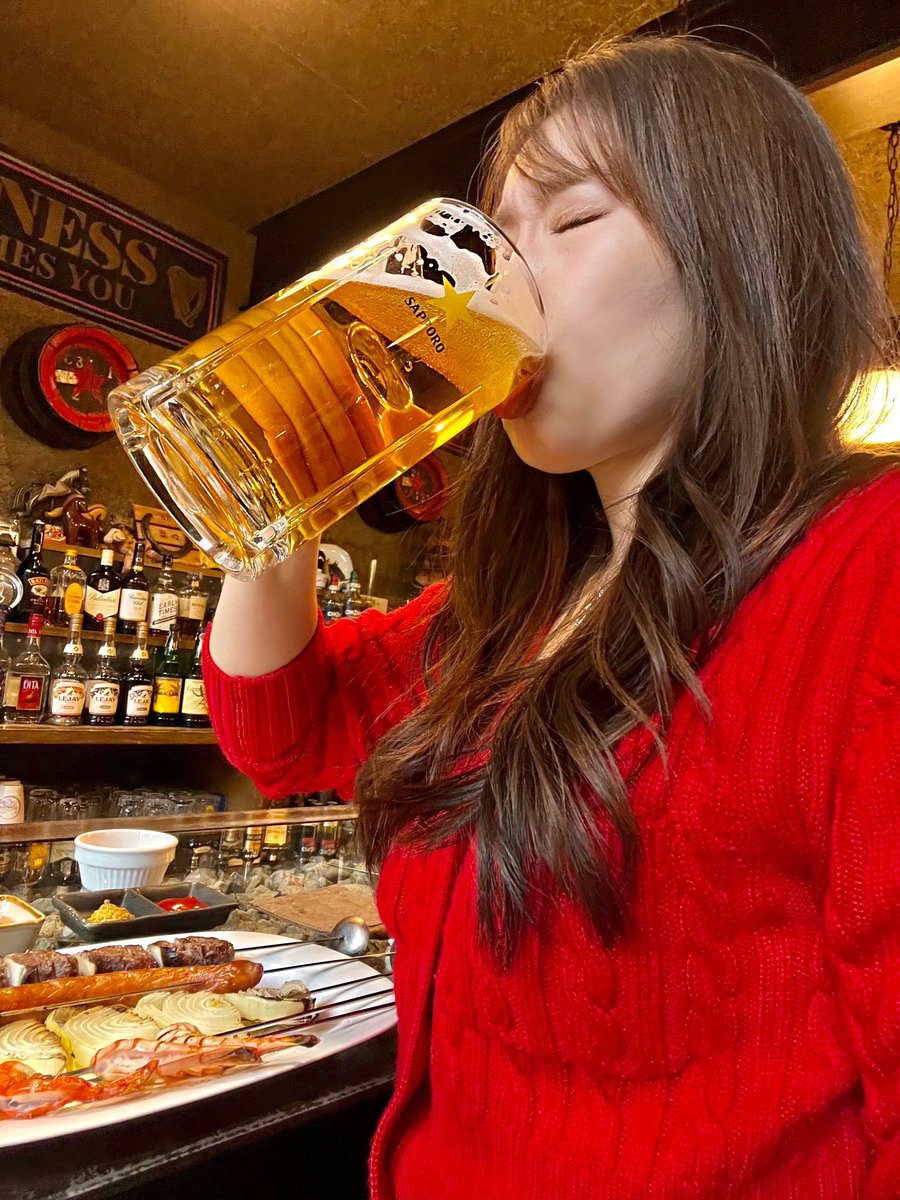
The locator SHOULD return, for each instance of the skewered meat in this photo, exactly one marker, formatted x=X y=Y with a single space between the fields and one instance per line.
x=235 y=976
x=192 y=952
x=37 y=966
x=105 y=959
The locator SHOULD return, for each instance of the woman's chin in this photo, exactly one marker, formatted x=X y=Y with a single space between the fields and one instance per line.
x=540 y=454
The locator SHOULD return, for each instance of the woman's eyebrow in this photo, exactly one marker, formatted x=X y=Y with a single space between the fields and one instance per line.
x=547 y=192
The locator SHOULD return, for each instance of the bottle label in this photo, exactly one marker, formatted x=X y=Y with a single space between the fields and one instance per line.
x=30 y=693
x=67 y=698
x=39 y=586
x=163 y=610
x=102 y=604
x=73 y=599
x=137 y=703
x=102 y=697
x=133 y=606
x=166 y=694
x=10 y=690
x=193 y=702
x=196 y=606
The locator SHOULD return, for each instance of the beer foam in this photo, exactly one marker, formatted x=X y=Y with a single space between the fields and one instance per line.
x=509 y=301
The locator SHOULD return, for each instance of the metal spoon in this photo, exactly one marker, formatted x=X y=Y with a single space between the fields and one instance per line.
x=352 y=936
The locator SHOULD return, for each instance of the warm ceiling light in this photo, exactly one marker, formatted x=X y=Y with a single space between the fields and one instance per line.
x=874 y=419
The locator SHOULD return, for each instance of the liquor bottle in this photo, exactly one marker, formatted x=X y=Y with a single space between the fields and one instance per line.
x=322 y=578
x=333 y=606
x=194 y=712
x=102 y=698
x=192 y=600
x=104 y=591
x=167 y=682
x=135 y=593
x=137 y=683
x=25 y=694
x=163 y=599
x=4 y=656
x=67 y=586
x=353 y=605
x=68 y=682
x=34 y=576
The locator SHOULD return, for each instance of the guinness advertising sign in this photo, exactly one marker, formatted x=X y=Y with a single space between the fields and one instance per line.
x=81 y=251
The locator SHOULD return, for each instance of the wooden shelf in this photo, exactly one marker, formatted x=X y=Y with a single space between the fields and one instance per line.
x=48 y=831
x=90 y=552
x=105 y=735
x=87 y=635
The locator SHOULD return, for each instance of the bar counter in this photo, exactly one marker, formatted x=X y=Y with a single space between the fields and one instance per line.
x=315 y=1104
x=307 y=1126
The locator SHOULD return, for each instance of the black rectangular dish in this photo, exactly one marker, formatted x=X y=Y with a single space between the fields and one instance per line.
x=148 y=918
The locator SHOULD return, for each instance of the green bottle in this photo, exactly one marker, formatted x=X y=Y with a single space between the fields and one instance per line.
x=167 y=684
x=353 y=605
x=194 y=712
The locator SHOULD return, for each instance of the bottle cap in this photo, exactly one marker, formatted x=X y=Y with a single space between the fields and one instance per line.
x=109 y=625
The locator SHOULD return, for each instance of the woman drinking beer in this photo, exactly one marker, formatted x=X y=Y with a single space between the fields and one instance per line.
x=630 y=773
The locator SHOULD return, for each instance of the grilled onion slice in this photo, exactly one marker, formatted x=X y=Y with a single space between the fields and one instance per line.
x=29 y=1042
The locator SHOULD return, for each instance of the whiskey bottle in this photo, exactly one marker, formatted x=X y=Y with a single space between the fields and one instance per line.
x=192 y=601
x=25 y=694
x=67 y=587
x=135 y=593
x=333 y=606
x=136 y=683
x=163 y=599
x=353 y=605
x=194 y=712
x=102 y=697
x=104 y=591
x=167 y=682
x=68 y=682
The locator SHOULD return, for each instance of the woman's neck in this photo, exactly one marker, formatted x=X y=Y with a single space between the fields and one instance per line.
x=619 y=481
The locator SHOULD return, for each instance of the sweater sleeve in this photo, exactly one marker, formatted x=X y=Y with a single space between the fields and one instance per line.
x=862 y=904
x=311 y=724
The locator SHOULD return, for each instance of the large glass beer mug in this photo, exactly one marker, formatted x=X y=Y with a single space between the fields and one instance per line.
x=267 y=430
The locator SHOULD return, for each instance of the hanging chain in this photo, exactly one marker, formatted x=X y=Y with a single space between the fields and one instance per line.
x=893 y=204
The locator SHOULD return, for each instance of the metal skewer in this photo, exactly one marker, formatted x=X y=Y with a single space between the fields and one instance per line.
x=293 y=1024
x=322 y=962
x=352 y=935
x=353 y=931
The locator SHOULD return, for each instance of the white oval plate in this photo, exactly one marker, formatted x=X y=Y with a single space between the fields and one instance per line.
x=339 y=1034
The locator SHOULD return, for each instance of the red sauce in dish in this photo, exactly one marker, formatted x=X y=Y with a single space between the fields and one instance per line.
x=181 y=904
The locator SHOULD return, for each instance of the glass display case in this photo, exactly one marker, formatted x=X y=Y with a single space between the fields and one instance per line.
x=272 y=862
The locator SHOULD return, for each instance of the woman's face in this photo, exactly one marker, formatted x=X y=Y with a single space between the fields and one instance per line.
x=617 y=333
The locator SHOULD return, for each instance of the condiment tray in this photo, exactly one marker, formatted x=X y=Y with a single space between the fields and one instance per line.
x=148 y=918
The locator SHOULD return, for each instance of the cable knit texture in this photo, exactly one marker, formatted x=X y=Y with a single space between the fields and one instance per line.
x=743 y=1040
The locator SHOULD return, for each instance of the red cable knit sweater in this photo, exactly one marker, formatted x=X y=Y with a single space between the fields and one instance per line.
x=744 y=1040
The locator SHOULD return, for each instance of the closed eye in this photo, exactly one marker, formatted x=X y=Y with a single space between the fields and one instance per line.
x=575 y=222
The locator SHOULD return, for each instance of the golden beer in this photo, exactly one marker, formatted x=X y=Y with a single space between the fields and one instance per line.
x=267 y=430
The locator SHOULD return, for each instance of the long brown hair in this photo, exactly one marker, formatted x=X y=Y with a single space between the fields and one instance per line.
x=740 y=181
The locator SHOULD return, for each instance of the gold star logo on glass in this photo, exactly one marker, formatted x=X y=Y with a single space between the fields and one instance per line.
x=454 y=305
